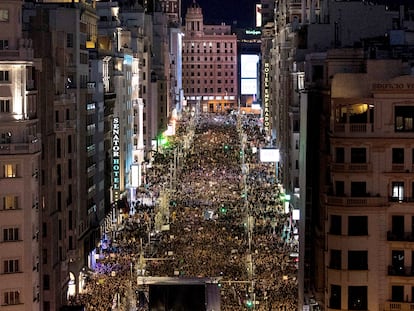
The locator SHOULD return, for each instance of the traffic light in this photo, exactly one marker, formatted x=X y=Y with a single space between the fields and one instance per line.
x=223 y=209
x=163 y=140
x=249 y=303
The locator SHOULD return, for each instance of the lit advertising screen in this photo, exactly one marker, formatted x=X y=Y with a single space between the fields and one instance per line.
x=249 y=74
x=269 y=155
x=249 y=86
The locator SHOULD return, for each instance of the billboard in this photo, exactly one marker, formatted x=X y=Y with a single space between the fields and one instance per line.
x=249 y=73
x=269 y=155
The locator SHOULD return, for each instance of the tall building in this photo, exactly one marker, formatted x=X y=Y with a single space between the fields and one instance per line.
x=334 y=119
x=209 y=63
x=20 y=149
x=85 y=88
x=71 y=174
x=172 y=9
x=369 y=216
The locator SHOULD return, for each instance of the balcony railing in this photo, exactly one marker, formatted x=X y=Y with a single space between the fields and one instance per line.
x=400 y=236
x=398 y=306
x=357 y=201
x=349 y=128
x=400 y=271
x=20 y=148
x=401 y=199
x=353 y=167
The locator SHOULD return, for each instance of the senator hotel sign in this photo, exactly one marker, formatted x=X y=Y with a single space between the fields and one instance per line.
x=115 y=154
x=266 y=97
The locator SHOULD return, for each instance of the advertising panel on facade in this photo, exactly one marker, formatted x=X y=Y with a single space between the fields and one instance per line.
x=269 y=155
x=135 y=175
x=249 y=73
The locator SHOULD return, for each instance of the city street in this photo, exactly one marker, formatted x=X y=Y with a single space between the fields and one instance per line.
x=217 y=215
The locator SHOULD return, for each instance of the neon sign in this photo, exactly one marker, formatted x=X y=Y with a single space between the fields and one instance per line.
x=266 y=110
x=115 y=157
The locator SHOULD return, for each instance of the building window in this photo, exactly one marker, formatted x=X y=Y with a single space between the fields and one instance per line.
x=339 y=155
x=10 y=170
x=4 y=76
x=10 y=202
x=358 y=155
x=397 y=228
x=10 y=234
x=398 y=267
x=46 y=282
x=336 y=225
x=11 y=266
x=397 y=293
x=404 y=116
x=398 y=155
x=412 y=156
x=358 y=189
x=5 y=138
x=4 y=44
x=4 y=15
x=69 y=40
x=11 y=297
x=357 y=298
x=335 y=259
x=44 y=256
x=4 y=105
x=335 y=298
x=357 y=260
x=357 y=225
x=397 y=191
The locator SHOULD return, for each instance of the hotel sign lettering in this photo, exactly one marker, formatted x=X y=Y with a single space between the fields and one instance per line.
x=266 y=98
x=384 y=86
x=115 y=155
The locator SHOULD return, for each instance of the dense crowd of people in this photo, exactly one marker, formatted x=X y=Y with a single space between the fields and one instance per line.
x=222 y=218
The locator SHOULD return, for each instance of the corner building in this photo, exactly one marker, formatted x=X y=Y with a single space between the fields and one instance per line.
x=370 y=215
x=209 y=64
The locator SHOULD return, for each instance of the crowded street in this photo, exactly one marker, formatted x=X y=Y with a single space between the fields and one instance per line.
x=208 y=208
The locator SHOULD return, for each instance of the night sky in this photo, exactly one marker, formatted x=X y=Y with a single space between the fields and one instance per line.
x=241 y=12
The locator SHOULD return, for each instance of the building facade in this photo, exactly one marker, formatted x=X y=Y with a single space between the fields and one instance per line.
x=209 y=64
x=103 y=96
x=319 y=47
x=20 y=150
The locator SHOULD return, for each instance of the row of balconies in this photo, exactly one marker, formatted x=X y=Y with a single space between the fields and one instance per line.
x=350 y=128
x=20 y=148
x=366 y=200
x=393 y=306
x=398 y=306
x=357 y=201
x=367 y=167
x=400 y=271
x=400 y=236
x=355 y=167
x=62 y=126
x=356 y=129
x=24 y=51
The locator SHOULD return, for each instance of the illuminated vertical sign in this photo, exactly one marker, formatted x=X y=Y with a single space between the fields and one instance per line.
x=115 y=158
x=266 y=98
x=259 y=15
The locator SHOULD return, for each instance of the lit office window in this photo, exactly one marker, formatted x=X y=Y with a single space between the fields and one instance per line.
x=10 y=170
x=397 y=190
